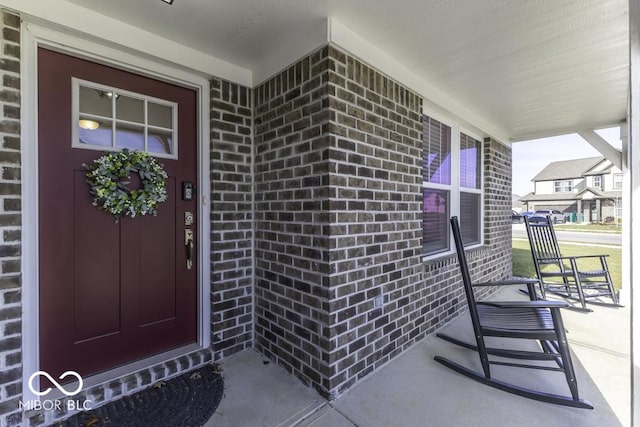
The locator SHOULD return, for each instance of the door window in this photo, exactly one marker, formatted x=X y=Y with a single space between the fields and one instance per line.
x=108 y=118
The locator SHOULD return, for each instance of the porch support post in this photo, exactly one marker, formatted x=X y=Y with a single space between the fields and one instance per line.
x=631 y=187
x=598 y=210
x=579 y=212
x=625 y=291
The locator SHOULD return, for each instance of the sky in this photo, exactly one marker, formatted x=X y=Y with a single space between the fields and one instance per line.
x=530 y=157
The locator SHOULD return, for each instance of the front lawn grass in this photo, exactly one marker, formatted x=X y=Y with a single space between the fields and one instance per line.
x=523 y=263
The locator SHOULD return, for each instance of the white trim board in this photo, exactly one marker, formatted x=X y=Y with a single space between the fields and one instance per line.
x=34 y=36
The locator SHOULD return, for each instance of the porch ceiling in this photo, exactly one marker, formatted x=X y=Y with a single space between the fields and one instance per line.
x=529 y=68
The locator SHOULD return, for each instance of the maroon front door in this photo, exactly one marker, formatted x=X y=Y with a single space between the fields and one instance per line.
x=110 y=293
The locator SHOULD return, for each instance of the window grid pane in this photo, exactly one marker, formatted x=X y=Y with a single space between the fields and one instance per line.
x=130 y=109
x=470 y=218
x=130 y=136
x=435 y=221
x=437 y=152
x=94 y=102
x=469 y=162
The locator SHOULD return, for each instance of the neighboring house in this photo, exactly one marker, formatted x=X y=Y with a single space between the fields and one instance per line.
x=322 y=174
x=590 y=189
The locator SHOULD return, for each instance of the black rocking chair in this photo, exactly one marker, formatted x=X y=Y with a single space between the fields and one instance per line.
x=561 y=275
x=534 y=320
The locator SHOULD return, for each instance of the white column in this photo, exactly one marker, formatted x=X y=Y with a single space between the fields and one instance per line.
x=579 y=212
x=625 y=291
x=631 y=186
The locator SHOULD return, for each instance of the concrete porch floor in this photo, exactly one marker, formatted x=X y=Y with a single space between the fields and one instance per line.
x=414 y=390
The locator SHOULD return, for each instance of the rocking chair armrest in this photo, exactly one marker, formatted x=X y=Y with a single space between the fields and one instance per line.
x=554 y=258
x=526 y=304
x=509 y=282
x=589 y=256
x=558 y=258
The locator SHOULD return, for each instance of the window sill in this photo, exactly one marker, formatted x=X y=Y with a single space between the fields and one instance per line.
x=440 y=256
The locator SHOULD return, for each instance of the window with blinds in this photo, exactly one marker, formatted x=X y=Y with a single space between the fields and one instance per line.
x=437 y=187
x=470 y=189
x=452 y=185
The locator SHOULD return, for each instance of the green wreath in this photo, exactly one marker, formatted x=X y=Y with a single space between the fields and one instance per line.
x=109 y=177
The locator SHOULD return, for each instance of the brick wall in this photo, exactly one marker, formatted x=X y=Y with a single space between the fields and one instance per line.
x=341 y=287
x=10 y=221
x=231 y=218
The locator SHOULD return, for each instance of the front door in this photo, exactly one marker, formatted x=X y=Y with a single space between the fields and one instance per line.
x=112 y=292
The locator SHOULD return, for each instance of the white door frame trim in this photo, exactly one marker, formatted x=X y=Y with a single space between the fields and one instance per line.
x=32 y=37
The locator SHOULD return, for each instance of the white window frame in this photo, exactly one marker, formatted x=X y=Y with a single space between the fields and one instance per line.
x=75 y=116
x=617 y=181
x=454 y=188
x=557 y=186
x=480 y=191
x=597 y=186
x=564 y=185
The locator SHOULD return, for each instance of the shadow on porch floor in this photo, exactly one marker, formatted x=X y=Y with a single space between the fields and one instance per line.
x=414 y=390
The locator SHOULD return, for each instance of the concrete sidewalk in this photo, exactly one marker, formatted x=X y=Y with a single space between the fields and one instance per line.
x=414 y=390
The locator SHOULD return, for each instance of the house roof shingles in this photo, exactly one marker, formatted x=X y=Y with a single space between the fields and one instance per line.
x=567 y=169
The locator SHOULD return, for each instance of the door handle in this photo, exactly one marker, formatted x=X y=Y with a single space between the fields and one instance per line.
x=188 y=243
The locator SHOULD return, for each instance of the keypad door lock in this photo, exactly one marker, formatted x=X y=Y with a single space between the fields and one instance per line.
x=187 y=190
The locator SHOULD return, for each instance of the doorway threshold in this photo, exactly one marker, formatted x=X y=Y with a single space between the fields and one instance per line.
x=120 y=372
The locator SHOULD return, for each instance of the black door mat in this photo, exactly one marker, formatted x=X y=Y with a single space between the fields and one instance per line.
x=188 y=400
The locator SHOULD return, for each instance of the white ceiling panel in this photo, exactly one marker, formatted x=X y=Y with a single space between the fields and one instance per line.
x=533 y=68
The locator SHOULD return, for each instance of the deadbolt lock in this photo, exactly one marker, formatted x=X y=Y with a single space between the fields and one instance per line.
x=188 y=218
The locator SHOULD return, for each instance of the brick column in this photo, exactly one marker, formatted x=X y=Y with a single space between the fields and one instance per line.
x=497 y=207
x=10 y=223
x=231 y=217
x=292 y=218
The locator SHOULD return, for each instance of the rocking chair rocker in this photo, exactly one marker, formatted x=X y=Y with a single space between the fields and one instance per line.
x=534 y=320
